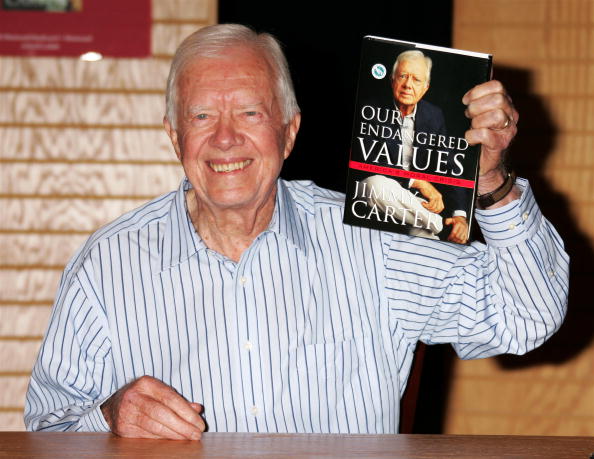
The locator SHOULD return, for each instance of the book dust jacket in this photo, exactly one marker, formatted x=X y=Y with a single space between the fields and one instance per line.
x=411 y=171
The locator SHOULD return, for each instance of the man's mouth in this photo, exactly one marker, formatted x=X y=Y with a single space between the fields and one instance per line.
x=229 y=167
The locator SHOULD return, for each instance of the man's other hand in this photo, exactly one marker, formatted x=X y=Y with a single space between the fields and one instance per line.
x=148 y=408
x=434 y=199
x=459 y=231
x=493 y=122
x=493 y=125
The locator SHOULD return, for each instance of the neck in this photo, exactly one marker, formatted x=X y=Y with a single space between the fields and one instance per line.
x=229 y=231
x=406 y=110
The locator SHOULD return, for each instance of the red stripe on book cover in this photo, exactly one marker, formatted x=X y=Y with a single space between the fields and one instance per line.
x=409 y=174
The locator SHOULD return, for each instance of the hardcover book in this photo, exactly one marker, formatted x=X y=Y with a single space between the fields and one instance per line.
x=411 y=171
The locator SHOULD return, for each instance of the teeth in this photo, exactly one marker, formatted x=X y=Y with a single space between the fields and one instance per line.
x=230 y=167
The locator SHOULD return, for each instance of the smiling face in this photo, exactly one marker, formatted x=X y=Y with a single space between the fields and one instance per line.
x=230 y=134
x=409 y=84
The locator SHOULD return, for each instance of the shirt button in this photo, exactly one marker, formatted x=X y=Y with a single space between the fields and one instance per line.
x=525 y=216
x=254 y=410
x=242 y=280
x=248 y=346
x=512 y=226
x=551 y=273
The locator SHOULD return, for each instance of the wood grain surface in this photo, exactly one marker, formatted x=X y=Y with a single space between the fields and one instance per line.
x=297 y=446
x=79 y=144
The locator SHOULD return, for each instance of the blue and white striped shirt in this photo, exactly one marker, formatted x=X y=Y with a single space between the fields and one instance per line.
x=313 y=330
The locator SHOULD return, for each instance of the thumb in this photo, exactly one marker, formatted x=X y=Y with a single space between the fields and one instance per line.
x=448 y=221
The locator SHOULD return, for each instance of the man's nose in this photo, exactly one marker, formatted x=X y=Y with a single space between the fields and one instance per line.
x=226 y=134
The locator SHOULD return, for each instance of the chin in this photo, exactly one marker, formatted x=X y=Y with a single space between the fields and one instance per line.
x=233 y=200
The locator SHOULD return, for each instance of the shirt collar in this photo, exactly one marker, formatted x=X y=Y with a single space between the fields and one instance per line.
x=285 y=219
x=180 y=239
x=399 y=117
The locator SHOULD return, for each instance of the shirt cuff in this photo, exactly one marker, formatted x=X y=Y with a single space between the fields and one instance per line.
x=93 y=420
x=513 y=223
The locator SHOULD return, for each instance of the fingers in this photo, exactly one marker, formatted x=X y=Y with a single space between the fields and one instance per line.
x=138 y=423
x=493 y=122
x=171 y=405
x=163 y=419
x=489 y=106
x=434 y=205
x=148 y=408
x=487 y=96
x=489 y=87
x=434 y=198
x=459 y=231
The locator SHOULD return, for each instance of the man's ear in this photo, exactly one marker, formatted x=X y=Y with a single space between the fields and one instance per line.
x=291 y=134
x=424 y=91
x=172 y=133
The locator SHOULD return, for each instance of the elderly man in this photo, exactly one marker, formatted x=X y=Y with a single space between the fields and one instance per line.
x=240 y=302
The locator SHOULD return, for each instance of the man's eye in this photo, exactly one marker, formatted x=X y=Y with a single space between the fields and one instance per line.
x=251 y=113
x=201 y=116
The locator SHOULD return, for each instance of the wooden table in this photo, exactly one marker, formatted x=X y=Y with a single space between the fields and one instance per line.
x=226 y=445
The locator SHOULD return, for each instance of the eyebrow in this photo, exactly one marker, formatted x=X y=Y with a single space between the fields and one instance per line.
x=254 y=105
x=418 y=77
x=198 y=108
x=201 y=108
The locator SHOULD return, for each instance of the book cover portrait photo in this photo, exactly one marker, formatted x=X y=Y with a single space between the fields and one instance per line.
x=411 y=171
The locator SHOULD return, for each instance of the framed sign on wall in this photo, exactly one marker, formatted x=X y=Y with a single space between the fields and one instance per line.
x=111 y=28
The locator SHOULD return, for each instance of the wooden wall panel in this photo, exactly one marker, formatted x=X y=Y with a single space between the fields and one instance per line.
x=578 y=369
x=13 y=396
x=73 y=215
x=17 y=355
x=88 y=109
x=166 y=37
x=134 y=145
x=543 y=51
x=11 y=417
x=194 y=11
x=22 y=249
x=90 y=180
x=29 y=285
x=522 y=424
x=62 y=74
x=19 y=321
x=80 y=144
x=520 y=13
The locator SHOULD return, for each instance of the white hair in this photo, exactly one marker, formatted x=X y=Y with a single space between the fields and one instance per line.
x=211 y=41
x=412 y=55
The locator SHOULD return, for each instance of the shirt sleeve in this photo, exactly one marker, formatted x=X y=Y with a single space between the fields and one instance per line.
x=507 y=296
x=72 y=374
